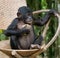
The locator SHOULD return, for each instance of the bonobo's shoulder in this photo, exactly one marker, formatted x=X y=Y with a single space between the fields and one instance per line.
x=15 y=20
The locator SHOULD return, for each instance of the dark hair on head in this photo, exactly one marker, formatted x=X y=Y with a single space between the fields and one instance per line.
x=24 y=9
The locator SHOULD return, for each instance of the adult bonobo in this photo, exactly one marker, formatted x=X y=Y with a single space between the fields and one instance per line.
x=21 y=30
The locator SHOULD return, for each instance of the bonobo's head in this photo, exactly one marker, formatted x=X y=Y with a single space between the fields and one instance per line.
x=25 y=14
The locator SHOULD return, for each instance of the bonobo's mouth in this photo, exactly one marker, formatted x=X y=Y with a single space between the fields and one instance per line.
x=28 y=22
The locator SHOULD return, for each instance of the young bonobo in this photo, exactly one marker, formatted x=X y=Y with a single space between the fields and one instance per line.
x=21 y=30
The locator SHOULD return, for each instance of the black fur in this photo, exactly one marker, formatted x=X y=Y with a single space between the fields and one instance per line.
x=16 y=34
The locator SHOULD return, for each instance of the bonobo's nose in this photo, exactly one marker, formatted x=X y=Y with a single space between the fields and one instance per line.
x=29 y=19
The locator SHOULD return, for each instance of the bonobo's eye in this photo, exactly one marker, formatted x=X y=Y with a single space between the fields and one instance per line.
x=29 y=14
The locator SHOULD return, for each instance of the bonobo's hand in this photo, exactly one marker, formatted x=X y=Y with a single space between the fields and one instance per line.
x=23 y=31
x=26 y=31
x=52 y=11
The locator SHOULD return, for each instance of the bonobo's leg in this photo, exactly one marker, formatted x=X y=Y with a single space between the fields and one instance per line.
x=39 y=40
x=13 y=42
x=37 y=43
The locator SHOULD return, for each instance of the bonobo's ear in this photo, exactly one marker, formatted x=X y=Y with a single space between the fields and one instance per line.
x=18 y=13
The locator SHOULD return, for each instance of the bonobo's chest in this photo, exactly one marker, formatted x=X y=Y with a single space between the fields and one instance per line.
x=21 y=25
x=26 y=40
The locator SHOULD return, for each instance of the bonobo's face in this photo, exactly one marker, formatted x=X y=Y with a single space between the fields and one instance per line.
x=25 y=14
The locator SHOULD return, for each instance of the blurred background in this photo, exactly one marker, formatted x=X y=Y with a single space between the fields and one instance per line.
x=54 y=50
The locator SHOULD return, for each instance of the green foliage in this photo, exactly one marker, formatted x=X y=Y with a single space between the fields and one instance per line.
x=2 y=36
x=43 y=4
x=1 y=31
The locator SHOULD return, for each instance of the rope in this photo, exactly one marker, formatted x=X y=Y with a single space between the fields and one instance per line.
x=56 y=34
x=58 y=29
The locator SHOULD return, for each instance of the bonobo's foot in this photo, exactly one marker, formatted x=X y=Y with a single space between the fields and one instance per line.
x=35 y=46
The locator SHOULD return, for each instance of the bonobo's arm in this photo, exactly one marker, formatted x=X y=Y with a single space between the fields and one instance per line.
x=41 y=22
x=11 y=30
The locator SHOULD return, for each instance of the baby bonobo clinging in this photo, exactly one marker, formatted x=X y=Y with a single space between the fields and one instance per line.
x=21 y=30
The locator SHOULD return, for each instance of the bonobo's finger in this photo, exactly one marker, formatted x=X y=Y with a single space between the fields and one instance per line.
x=52 y=11
x=6 y=33
x=27 y=31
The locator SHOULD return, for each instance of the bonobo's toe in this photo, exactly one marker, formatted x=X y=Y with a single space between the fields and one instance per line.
x=35 y=46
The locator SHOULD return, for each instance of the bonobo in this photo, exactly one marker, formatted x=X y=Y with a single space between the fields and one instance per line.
x=21 y=30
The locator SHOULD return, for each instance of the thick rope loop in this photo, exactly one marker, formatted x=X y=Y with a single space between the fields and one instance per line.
x=58 y=29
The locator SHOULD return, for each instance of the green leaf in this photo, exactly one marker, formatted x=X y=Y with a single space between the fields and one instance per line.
x=2 y=37
x=1 y=31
